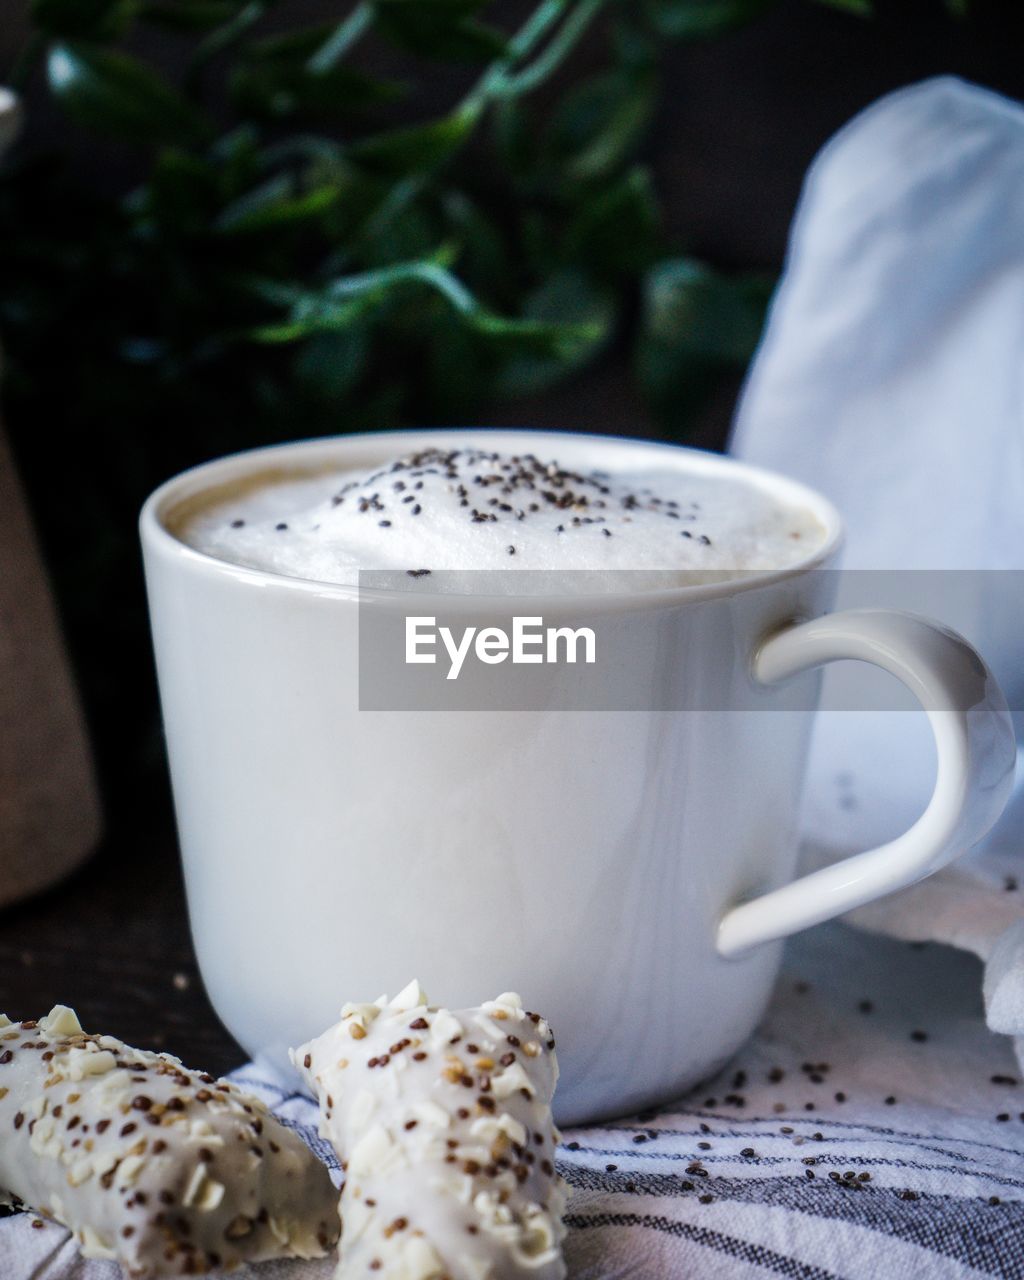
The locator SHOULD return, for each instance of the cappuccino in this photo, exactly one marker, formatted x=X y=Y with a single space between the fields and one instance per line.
x=474 y=508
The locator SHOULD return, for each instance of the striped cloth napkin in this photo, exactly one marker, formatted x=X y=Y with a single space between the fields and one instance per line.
x=872 y=1128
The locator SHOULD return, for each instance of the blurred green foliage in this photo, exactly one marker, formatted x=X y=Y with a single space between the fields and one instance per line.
x=280 y=253
x=284 y=254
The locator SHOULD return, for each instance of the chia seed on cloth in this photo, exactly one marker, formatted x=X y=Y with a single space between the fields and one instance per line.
x=872 y=1129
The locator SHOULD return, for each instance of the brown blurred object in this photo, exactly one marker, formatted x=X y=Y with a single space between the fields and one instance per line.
x=49 y=808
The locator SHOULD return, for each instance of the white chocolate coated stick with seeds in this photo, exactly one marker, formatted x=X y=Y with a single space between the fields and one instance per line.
x=163 y=1169
x=442 y=1121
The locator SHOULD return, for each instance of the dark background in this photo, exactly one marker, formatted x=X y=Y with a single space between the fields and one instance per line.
x=740 y=119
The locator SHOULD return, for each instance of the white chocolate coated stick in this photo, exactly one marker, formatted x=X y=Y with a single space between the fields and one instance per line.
x=442 y=1121
x=163 y=1169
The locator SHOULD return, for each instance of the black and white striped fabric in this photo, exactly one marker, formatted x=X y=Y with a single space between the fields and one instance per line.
x=874 y=1128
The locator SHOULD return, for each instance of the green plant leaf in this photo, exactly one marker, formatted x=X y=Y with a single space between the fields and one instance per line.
x=616 y=234
x=389 y=235
x=279 y=88
x=516 y=140
x=115 y=94
x=341 y=303
x=530 y=64
x=226 y=36
x=277 y=77
x=697 y=327
x=688 y=304
x=442 y=29
x=565 y=322
x=483 y=253
x=598 y=123
x=561 y=340
x=342 y=37
x=416 y=148
x=181 y=195
x=633 y=43
x=83 y=19
x=276 y=204
x=328 y=365
x=684 y=19
x=325 y=319
x=238 y=160
x=547 y=339
x=290 y=46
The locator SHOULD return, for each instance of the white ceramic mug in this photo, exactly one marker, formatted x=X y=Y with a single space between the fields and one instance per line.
x=629 y=872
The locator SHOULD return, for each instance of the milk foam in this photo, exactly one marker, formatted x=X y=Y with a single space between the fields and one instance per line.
x=477 y=509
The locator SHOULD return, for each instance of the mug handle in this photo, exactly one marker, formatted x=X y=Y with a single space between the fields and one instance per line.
x=976 y=756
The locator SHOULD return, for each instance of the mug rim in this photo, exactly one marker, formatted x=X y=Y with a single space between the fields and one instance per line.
x=192 y=482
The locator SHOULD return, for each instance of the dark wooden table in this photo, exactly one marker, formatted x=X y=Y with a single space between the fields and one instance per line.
x=113 y=942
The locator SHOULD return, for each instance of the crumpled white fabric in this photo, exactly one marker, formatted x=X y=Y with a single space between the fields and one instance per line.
x=891 y=378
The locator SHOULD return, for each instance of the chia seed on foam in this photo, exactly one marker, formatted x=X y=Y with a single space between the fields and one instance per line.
x=476 y=509
x=160 y=1168
x=442 y=1121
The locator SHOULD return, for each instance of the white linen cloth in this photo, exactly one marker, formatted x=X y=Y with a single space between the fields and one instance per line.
x=891 y=377
x=945 y=1198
